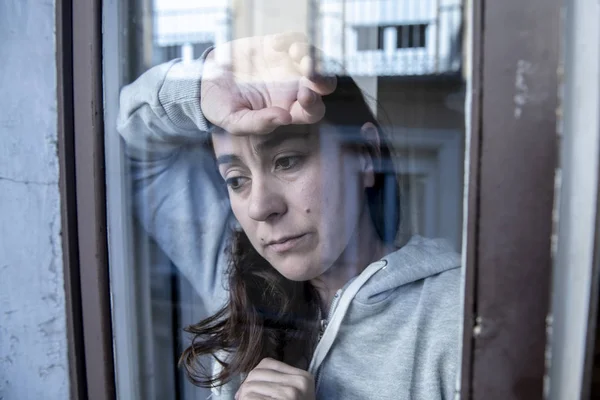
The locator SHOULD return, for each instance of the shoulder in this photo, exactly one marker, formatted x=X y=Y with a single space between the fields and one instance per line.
x=444 y=291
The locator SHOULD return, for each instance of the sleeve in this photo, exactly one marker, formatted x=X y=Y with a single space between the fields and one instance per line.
x=178 y=196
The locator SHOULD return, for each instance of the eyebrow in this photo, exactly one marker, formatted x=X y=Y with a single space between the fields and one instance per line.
x=277 y=139
x=263 y=146
x=228 y=159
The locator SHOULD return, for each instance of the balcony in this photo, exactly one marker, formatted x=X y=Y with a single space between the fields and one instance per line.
x=388 y=37
x=177 y=23
x=358 y=37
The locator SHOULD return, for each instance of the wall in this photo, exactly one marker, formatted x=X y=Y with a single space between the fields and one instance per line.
x=33 y=343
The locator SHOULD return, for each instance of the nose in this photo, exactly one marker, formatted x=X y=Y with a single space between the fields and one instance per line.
x=267 y=201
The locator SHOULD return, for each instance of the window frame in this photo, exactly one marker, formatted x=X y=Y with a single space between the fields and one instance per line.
x=64 y=64
x=504 y=340
x=504 y=343
x=83 y=205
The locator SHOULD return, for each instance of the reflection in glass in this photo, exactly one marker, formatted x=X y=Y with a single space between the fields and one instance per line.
x=334 y=218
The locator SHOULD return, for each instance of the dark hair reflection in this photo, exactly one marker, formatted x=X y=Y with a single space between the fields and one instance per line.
x=266 y=314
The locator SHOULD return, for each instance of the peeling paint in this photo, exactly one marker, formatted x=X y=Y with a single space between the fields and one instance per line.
x=522 y=93
x=478 y=328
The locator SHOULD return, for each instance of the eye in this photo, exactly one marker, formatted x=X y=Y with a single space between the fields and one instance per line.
x=287 y=162
x=235 y=183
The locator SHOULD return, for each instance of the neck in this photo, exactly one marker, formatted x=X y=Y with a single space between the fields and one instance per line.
x=364 y=248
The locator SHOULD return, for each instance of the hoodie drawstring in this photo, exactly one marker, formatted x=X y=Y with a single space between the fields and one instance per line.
x=334 y=324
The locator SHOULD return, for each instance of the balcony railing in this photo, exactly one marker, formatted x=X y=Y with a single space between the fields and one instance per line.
x=388 y=37
x=358 y=37
x=178 y=26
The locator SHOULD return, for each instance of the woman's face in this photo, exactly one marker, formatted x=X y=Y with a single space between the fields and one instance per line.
x=297 y=193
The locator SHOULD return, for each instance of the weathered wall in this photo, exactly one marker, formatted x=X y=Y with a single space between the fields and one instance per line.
x=33 y=343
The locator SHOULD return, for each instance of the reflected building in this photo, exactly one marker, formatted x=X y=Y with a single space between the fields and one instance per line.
x=186 y=28
x=389 y=37
x=405 y=54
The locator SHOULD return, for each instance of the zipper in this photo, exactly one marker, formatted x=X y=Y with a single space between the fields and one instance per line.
x=334 y=321
x=324 y=321
x=323 y=326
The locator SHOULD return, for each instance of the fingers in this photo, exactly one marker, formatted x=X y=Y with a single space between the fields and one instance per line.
x=283 y=81
x=303 y=54
x=272 y=364
x=250 y=122
x=277 y=380
x=322 y=85
x=269 y=375
x=299 y=50
x=267 y=390
x=252 y=396
x=309 y=107
x=283 y=41
x=306 y=57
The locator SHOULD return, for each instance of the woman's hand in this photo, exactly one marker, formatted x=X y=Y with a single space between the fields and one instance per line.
x=253 y=85
x=272 y=379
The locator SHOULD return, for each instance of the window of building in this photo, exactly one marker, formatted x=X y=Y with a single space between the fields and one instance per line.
x=365 y=38
x=411 y=36
x=406 y=36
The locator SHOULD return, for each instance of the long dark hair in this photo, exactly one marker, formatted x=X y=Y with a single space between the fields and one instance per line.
x=267 y=314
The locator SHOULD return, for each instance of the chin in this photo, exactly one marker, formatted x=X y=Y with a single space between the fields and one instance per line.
x=296 y=269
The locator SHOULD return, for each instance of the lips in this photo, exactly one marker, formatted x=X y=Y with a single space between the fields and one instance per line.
x=286 y=243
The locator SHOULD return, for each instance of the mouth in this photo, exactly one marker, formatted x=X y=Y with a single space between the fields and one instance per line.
x=286 y=243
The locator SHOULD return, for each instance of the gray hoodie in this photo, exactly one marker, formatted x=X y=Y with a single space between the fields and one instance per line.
x=392 y=331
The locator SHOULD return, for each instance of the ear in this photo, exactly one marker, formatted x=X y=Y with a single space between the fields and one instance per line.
x=371 y=135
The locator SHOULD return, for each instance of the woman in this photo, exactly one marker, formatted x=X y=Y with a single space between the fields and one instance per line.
x=318 y=303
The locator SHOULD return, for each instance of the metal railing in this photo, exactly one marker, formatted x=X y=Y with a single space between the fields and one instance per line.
x=358 y=37
x=174 y=27
x=388 y=37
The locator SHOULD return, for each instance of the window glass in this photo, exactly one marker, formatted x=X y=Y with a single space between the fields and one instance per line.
x=285 y=184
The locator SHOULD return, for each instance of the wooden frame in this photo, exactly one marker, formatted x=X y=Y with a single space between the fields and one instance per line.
x=64 y=60
x=510 y=202
x=82 y=181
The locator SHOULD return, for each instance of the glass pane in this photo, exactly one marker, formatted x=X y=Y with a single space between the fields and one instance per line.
x=286 y=204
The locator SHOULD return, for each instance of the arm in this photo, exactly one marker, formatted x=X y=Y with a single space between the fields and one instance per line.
x=160 y=111
x=247 y=86
x=178 y=195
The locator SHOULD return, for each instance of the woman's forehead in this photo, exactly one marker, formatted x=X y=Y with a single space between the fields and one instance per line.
x=226 y=141
x=324 y=136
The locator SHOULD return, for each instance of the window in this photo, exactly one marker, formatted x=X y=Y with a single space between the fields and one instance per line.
x=365 y=36
x=200 y=48
x=182 y=206
x=411 y=36
x=406 y=36
x=156 y=269
x=169 y=52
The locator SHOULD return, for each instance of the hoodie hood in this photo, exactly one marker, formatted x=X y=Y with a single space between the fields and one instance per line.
x=420 y=258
